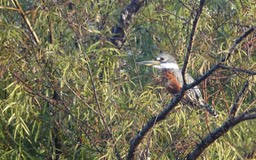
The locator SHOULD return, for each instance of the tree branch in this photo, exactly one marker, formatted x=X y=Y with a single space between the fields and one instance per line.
x=124 y=22
x=191 y=39
x=237 y=41
x=209 y=139
x=97 y=100
x=249 y=117
x=238 y=100
x=238 y=70
x=161 y=116
x=35 y=94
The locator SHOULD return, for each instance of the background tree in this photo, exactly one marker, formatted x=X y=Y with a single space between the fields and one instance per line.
x=71 y=88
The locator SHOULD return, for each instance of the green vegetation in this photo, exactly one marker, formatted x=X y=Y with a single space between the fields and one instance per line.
x=66 y=92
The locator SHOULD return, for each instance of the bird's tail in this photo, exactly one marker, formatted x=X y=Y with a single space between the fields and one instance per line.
x=194 y=96
x=210 y=109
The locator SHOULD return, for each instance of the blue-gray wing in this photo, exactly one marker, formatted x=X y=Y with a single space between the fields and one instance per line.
x=194 y=96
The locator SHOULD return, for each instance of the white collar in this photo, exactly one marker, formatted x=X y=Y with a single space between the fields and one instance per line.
x=167 y=66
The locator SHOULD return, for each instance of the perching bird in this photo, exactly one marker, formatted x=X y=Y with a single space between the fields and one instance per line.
x=172 y=79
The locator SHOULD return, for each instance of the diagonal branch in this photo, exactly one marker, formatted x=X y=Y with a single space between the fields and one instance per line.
x=238 y=70
x=161 y=116
x=191 y=39
x=238 y=100
x=124 y=22
x=20 y=10
x=97 y=99
x=32 y=92
x=209 y=139
x=237 y=41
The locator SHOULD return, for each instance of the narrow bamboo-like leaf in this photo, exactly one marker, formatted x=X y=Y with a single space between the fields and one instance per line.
x=13 y=116
x=24 y=126
x=9 y=105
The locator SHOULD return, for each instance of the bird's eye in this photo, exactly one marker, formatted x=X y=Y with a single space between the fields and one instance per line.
x=159 y=59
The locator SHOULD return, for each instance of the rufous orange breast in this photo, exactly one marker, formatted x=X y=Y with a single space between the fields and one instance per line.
x=171 y=82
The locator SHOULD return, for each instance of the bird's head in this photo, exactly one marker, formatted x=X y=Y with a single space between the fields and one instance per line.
x=162 y=61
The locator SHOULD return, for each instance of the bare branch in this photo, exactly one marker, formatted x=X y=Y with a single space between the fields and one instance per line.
x=125 y=19
x=117 y=153
x=161 y=116
x=238 y=100
x=210 y=138
x=36 y=94
x=191 y=39
x=250 y=117
x=185 y=5
x=238 y=70
x=237 y=41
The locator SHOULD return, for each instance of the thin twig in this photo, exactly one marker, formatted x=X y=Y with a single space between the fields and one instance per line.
x=30 y=90
x=191 y=39
x=238 y=70
x=117 y=153
x=237 y=41
x=9 y=8
x=185 y=5
x=238 y=100
x=79 y=97
x=252 y=104
x=96 y=98
x=20 y=10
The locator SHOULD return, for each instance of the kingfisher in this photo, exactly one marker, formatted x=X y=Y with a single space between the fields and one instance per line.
x=173 y=81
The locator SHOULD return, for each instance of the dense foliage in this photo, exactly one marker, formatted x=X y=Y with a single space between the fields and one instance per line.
x=67 y=92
